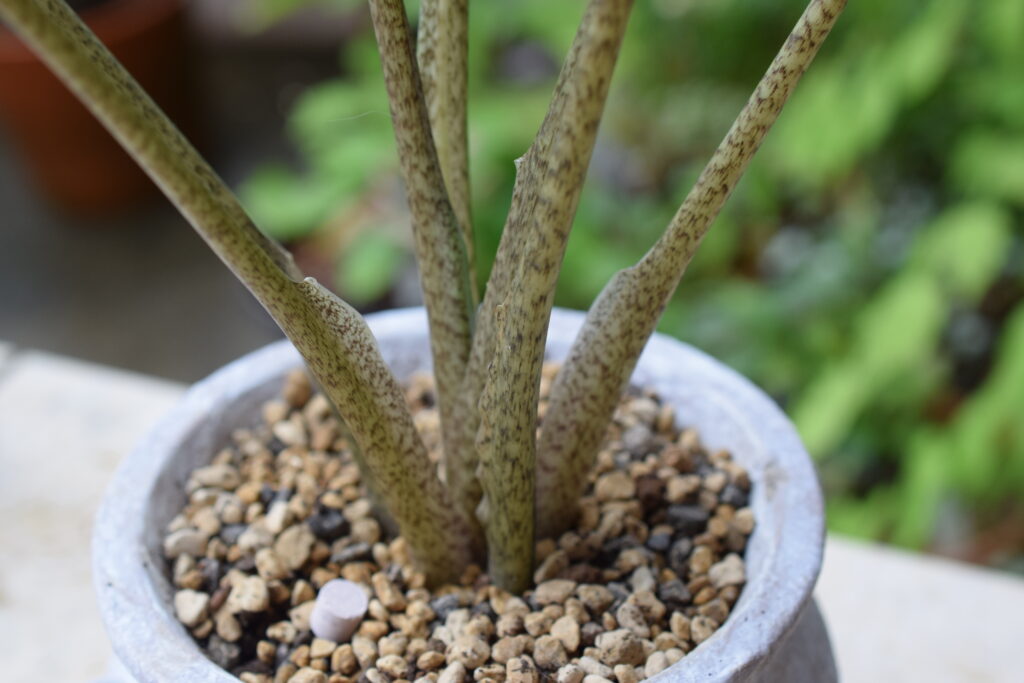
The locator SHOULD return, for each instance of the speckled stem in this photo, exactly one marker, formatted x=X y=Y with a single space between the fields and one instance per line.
x=442 y=46
x=621 y=320
x=549 y=179
x=505 y=448
x=330 y=335
x=440 y=251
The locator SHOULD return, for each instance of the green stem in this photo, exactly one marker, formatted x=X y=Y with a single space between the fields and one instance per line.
x=442 y=52
x=622 y=319
x=508 y=350
x=440 y=251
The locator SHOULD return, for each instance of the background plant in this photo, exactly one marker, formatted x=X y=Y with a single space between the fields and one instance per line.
x=869 y=271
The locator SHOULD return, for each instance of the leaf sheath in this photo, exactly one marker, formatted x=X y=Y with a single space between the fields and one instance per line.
x=623 y=317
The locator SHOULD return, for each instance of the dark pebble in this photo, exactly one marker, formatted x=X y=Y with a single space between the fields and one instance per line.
x=583 y=573
x=328 y=524
x=733 y=495
x=444 y=605
x=212 y=571
x=659 y=543
x=352 y=553
x=485 y=609
x=621 y=592
x=230 y=532
x=589 y=633
x=224 y=654
x=678 y=554
x=246 y=563
x=687 y=519
x=650 y=491
x=253 y=666
x=674 y=594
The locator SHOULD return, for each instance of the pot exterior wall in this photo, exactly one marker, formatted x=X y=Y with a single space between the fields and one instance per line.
x=775 y=632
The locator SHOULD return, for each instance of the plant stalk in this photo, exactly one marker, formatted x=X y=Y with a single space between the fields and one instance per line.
x=623 y=317
x=442 y=52
x=332 y=338
x=500 y=393
x=440 y=251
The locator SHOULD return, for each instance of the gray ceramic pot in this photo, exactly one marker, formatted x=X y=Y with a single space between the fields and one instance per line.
x=775 y=632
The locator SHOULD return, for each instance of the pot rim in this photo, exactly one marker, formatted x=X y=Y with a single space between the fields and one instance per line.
x=153 y=646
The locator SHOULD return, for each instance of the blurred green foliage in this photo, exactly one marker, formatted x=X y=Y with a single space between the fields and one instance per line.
x=868 y=272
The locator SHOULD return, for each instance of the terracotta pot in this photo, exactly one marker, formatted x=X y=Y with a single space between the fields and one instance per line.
x=774 y=632
x=72 y=158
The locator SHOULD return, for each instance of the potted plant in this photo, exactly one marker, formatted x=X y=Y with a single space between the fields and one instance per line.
x=511 y=481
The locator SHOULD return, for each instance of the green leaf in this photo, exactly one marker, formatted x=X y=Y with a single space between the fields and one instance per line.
x=367 y=270
x=965 y=248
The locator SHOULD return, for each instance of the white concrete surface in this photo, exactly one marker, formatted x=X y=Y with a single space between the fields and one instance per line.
x=65 y=424
x=897 y=616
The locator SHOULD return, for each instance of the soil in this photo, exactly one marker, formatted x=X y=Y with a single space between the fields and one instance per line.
x=651 y=570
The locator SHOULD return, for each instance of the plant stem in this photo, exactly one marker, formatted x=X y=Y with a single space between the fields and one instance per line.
x=504 y=371
x=442 y=52
x=440 y=251
x=622 y=319
x=330 y=335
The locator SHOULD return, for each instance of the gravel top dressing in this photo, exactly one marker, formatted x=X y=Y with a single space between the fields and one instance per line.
x=651 y=570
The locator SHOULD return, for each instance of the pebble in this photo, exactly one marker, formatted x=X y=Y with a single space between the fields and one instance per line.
x=629 y=616
x=469 y=651
x=308 y=675
x=554 y=591
x=701 y=628
x=430 y=660
x=269 y=565
x=223 y=653
x=387 y=593
x=620 y=646
x=220 y=476
x=700 y=559
x=567 y=630
x=453 y=673
x=595 y=598
x=549 y=653
x=393 y=666
x=190 y=607
x=617 y=485
x=656 y=663
x=594 y=667
x=249 y=594
x=687 y=519
x=521 y=670
x=729 y=572
x=553 y=565
x=624 y=673
x=185 y=541
x=294 y=544
x=343 y=660
x=508 y=647
x=570 y=673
